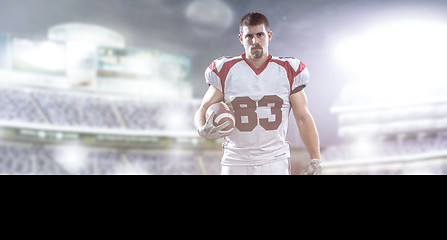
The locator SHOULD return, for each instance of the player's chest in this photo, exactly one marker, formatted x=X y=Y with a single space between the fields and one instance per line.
x=259 y=101
x=243 y=81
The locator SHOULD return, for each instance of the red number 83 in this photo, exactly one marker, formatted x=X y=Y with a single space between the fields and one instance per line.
x=246 y=107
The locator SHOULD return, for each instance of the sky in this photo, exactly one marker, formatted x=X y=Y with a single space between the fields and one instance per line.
x=306 y=29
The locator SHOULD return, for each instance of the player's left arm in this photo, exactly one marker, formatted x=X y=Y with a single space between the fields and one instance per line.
x=307 y=128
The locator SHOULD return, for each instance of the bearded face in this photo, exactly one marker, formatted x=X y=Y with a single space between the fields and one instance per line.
x=255 y=40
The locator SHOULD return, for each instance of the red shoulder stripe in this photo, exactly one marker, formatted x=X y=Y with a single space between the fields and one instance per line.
x=289 y=69
x=213 y=68
x=224 y=71
x=300 y=68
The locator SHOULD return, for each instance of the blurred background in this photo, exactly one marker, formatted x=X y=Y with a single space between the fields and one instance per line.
x=111 y=86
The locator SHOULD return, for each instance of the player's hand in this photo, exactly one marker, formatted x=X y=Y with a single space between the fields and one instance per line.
x=209 y=131
x=314 y=167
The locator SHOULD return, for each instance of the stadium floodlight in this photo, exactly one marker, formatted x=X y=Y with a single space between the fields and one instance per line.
x=364 y=148
x=89 y=33
x=208 y=17
x=35 y=55
x=72 y=158
x=400 y=57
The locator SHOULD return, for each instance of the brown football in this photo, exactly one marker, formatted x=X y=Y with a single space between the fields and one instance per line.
x=222 y=114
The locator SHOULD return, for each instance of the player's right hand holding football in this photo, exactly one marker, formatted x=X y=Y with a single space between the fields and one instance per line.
x=209 y=131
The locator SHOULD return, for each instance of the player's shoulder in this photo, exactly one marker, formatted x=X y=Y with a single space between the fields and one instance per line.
x=294 y=62
x=223 y=60
x=220 y=62
x=291 y=60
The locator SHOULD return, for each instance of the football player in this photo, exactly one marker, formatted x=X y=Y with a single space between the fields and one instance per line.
x=261 y=90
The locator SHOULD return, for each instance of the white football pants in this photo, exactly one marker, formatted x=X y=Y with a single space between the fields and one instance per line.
x=276 y=168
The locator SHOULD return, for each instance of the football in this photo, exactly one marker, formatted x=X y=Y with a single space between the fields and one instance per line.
x=222 y=114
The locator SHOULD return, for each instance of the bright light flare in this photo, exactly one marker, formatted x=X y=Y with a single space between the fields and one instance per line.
x=73 y=158
x=41 y=55
x=405 y=55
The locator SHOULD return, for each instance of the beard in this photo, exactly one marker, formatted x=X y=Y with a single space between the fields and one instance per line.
x=257 y=51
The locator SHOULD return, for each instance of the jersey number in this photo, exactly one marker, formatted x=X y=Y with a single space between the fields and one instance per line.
x=247 y=118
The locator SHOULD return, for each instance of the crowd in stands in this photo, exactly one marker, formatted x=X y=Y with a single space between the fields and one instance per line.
x=17 y=105
x=76 y=109
x=27 y=159
x=385 y=149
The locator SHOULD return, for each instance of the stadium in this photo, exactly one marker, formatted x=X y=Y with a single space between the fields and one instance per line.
x=85 y=95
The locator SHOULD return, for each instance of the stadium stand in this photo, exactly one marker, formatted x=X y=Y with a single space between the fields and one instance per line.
x=78 y=109
x=100 y=115
x=389 y=132
x=21 y=158
x=18 y=106
x=92 y=105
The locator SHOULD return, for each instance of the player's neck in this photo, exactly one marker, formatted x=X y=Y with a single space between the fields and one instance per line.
x=257 y=62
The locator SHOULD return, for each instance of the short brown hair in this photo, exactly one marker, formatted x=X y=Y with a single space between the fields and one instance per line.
x=253 y=19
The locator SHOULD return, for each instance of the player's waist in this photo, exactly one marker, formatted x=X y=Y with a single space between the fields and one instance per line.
x=253 y=157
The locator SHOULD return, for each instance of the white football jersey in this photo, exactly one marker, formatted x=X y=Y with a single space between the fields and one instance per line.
x=260 y=101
